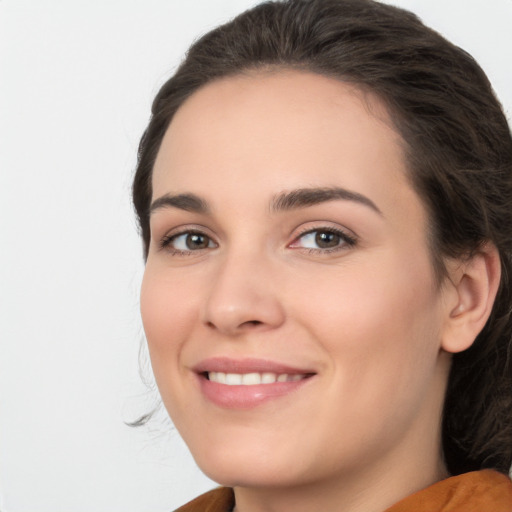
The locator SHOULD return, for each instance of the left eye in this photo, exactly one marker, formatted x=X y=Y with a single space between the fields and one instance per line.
x=323 y=239
x=186 y=242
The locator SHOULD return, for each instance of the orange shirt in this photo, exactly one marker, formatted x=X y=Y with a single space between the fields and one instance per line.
x=479 y=491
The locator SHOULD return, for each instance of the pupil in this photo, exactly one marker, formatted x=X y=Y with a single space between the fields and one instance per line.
x=325 y=239
x=196 y=241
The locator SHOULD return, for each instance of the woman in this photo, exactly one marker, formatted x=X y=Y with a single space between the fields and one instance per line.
x=325 y=199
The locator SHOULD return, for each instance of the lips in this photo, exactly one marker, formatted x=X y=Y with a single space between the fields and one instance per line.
x=247 y=383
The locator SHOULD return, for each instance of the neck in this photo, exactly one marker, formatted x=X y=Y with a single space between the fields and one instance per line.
x=355 y=493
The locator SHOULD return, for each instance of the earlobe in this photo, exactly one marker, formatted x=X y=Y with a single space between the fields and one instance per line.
x=475 y=283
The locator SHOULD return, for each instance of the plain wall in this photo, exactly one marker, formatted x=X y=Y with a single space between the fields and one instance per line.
x=76 y=81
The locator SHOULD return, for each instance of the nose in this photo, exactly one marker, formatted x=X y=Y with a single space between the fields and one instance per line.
x=243 y=297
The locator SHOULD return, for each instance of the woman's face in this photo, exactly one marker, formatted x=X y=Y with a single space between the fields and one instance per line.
x=289 y=302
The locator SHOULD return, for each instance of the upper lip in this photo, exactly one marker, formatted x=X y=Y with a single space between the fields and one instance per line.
x=251 y=365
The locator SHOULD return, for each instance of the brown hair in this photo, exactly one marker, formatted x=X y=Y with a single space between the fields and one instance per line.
x=459 y=151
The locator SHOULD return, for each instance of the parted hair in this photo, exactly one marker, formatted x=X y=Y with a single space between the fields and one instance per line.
x=458 y=148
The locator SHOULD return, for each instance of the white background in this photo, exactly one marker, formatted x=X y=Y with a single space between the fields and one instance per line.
x=76 y=81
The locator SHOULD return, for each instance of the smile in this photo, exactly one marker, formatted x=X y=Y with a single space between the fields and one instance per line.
x=247 y=383
x=252 y=379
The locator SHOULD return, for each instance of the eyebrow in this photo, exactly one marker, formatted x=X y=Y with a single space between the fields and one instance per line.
x=304 y=197
x=187 y=202
x=292 y=200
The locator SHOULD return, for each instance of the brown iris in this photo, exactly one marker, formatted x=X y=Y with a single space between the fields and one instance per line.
x=327 y=239
x=196 y=241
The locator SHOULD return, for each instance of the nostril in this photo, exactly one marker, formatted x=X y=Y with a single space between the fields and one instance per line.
x=252 y=322
x=249 y=324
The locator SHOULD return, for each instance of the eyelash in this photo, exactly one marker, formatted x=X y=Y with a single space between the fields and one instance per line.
x=346 y=241
x=167 y=240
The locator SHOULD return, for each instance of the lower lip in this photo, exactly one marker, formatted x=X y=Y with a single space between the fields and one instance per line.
x=246 y=397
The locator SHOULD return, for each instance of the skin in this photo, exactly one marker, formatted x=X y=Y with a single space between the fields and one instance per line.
x=369 y=318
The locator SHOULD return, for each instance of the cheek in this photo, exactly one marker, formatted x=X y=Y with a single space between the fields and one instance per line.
x=168 y=315
x=379 y=325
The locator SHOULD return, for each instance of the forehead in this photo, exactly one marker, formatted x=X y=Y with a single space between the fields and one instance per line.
x=265 y=132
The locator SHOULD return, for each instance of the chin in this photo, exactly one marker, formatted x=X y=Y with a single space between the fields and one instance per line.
x=247 y=468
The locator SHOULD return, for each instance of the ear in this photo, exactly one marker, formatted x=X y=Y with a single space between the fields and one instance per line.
x=474 y=284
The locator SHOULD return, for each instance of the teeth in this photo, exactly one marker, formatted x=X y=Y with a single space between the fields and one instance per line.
x=233 y=379
x=252 y=379
x=268 y=378
x=249 y=379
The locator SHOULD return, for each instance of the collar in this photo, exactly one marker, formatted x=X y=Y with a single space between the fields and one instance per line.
x=478 y=491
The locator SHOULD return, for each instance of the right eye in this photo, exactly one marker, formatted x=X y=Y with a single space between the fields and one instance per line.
x=187 y=242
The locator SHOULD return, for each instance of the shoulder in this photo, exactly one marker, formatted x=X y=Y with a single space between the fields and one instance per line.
x=217 y=500
x=478 y=491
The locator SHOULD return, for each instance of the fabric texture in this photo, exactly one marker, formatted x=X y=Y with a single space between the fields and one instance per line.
x=218 y=500
x=479 y=491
